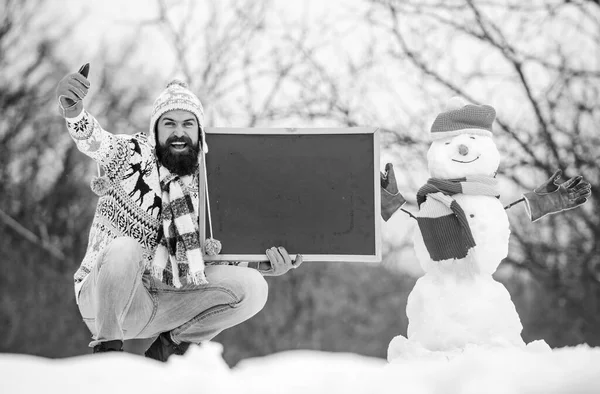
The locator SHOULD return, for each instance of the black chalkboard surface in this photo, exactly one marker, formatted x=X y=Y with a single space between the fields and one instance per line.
x=313 y=191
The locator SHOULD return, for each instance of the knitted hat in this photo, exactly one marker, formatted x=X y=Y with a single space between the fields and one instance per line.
x=463 y=118
x=177 y=96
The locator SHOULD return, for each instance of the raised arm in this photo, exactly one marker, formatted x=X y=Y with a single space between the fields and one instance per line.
x=391 y=199
x=553 y=197
x=89 y=136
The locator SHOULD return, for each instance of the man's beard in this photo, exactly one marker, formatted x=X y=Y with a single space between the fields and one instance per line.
x=179 y=163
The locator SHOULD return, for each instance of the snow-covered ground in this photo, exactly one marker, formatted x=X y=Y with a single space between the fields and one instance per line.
x=202 y=370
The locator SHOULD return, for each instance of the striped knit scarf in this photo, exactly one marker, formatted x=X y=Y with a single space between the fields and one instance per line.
x=179 y=252
x=442 y=221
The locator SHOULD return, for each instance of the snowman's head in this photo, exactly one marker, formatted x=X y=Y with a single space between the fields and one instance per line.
x=462 y=141
x=463 y=155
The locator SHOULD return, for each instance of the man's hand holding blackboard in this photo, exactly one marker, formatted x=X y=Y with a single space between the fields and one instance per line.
x=391 y=199
x=279 y=262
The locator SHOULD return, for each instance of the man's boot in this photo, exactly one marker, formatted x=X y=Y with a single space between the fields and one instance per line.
x=164 y=346
x=109 y=346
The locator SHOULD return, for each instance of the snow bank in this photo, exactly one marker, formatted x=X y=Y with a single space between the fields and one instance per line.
x=202 y=370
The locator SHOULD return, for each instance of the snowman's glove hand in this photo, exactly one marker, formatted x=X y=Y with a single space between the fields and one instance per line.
x=391 y=199
x=552 y=197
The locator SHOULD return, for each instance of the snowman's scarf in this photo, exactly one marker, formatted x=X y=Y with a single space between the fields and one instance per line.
x=442 y=221
x=179 y=253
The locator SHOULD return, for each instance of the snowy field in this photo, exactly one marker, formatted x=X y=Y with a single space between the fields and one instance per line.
x=202 y=370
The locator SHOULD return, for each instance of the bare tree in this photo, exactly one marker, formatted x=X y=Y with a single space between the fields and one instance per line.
x=537 y=63
x=45 y=207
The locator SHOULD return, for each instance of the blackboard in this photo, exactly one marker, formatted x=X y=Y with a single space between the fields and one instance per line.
x=314 y=191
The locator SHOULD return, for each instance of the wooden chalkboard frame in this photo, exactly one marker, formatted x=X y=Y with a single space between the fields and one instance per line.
x=367 y=258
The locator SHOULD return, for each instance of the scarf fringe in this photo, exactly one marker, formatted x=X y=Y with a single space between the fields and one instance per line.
x=176 y=281
x=197 y=278
x=157 y=272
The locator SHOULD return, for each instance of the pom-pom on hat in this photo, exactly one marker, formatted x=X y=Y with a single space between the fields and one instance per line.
x=177 y=96
x=463 y=118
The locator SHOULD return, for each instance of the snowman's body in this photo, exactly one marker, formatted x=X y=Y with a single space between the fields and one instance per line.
x=450 y=306
x=457 y=303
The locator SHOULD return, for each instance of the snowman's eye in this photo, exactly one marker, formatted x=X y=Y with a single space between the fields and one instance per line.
x=472 y=138
x=447 y=143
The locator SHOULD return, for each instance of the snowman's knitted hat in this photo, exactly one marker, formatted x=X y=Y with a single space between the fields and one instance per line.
x=463 y=118
x=176 y=96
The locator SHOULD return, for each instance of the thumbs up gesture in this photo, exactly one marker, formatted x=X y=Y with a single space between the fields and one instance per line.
x=71 y=90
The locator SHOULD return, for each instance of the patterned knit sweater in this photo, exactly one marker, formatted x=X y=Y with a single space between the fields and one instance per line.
x=132 y=205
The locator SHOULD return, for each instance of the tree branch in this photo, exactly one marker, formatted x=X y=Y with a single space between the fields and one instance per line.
x=31 y=237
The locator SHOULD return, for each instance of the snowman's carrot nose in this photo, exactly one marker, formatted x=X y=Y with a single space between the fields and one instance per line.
x=463 y=150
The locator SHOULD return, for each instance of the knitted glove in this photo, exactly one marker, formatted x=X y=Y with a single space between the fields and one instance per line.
x=280 y=261
x=391 y=199
x=71 y=90
x=552 y=197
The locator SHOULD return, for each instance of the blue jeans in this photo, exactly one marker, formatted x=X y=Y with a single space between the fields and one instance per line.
x=121 y=300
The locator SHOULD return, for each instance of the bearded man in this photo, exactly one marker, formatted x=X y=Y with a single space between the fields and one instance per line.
x=143 y=278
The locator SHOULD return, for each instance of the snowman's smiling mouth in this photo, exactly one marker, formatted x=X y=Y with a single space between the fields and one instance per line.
x=465 y=162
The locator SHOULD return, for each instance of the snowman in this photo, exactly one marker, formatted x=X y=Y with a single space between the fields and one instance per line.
x=462 y=236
